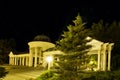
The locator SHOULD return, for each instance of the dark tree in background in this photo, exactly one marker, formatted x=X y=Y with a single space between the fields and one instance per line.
x=73 y=44
x=109 y=32
x=3 y=72
x=6 y=45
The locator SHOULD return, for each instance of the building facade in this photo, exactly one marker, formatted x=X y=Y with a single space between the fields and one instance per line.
x=34 y=57
x=37 y=54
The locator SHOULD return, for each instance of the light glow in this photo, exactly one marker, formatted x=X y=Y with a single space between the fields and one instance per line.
x=49 y=59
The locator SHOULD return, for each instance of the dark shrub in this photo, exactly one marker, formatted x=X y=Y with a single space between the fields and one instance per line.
x=101 y=75
x=47 y=75
x=3 y=72
x=116 y=75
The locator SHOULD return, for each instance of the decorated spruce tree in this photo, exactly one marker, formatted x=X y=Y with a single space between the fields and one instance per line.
x=73 y=43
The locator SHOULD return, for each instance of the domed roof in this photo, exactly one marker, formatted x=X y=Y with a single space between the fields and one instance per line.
x=41 y=38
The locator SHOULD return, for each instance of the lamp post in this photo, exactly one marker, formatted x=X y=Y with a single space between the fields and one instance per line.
x=49 y=59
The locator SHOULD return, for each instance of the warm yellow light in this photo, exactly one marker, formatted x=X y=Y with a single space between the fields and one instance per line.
x=91 y=62
x=49 y=59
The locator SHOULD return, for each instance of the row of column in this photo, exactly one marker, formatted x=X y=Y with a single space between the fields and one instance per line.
x=35 y=55
x=104 y=57
x=17 y=60
x=32 y=59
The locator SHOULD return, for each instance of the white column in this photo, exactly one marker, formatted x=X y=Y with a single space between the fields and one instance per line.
x=104 y=57
x=40 y=55
x=30 y=57
x=36 y=52
x=23 y=61
x=109 y=55
x=10 y=59
x=20 y=61
x=15 y=60
x=99 y=60
x=27 y=61
x=104 y=61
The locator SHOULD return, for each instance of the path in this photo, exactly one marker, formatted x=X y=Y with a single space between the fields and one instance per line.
x=22 y=73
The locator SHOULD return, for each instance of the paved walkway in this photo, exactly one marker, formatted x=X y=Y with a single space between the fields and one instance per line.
x=22 y=73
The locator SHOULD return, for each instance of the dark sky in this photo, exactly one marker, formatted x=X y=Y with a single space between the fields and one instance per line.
x=23 y=20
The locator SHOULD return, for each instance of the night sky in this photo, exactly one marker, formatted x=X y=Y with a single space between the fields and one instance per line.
x=23 y=20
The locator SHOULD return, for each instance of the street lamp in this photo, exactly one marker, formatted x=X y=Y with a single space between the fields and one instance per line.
x=49 y=59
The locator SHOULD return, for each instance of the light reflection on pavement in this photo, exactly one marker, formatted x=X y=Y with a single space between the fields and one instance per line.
x=22 y=73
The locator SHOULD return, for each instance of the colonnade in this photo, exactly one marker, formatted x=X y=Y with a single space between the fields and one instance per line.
x=32 y=59
x=19 y=59
x=35 y=56
x=36 y=49
x=104 y=57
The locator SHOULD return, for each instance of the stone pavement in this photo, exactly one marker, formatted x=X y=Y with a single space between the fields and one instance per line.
x=22 y=73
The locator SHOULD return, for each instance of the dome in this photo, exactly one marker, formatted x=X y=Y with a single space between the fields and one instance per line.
x=41 y=38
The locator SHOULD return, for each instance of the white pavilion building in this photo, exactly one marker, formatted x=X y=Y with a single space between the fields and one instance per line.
x=37 y=54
